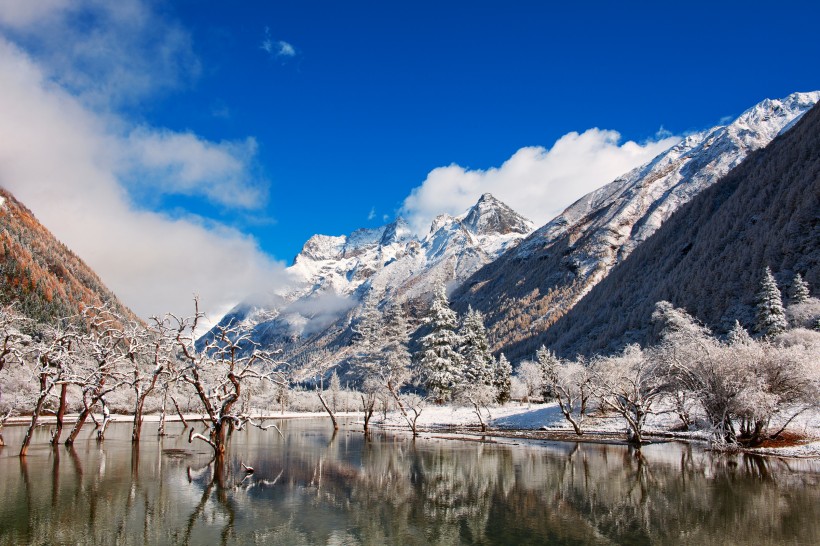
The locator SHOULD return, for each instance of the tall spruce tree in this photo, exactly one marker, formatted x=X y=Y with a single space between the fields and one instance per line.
x=799 y=290
x=440 y=364
x=547 y=363
x=771 y=317
x=475 y=350
x=502 y=380
x=368 y=334
x=395 y=354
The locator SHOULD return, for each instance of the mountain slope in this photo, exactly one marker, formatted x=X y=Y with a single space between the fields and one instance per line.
x=530 y=287
x=40 y=275
x=709 y=256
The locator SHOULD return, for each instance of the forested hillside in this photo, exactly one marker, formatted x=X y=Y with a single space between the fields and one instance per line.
x=710 y=255
x=40 y=275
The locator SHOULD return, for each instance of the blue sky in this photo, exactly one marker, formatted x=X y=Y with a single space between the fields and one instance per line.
x=236 y=130
x=377 y=94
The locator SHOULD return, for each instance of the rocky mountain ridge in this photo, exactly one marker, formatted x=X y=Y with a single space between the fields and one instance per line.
x=333 y=275
x=527 y=289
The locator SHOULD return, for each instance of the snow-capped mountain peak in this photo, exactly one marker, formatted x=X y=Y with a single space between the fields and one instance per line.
x=491 y=216
x=333 y=274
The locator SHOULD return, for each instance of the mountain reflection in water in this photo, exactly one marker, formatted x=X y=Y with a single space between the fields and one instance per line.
x=315 y=488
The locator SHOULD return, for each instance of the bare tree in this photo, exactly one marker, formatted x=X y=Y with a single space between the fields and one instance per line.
x=50 y=357
x=104 y=347
x=11 y=352
x=478 y=397
x=144 y=373
x=217 y=371
x=529 y=374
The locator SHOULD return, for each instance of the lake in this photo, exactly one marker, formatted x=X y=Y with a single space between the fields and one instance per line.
x=313 y=487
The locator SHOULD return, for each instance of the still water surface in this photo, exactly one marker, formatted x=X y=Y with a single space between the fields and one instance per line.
x=316 y=488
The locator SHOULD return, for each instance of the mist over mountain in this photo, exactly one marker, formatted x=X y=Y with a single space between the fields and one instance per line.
x=40 y=275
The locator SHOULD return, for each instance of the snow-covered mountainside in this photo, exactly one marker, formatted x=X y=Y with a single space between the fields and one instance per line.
x=332 y=275
x=531 y=286
x=709 y=256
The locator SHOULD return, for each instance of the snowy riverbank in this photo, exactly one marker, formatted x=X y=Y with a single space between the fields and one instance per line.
x=516 y=420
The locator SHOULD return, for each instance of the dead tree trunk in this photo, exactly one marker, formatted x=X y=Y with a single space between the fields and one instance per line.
x=55 y=438
x=45 y=390
x=329 y=411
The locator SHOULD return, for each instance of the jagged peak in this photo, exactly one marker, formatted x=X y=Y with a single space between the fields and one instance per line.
x=441 y=221
x=322 y=247
x=491 y=216
x=396 y=232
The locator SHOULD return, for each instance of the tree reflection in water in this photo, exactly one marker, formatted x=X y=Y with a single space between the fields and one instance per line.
x=313 y=487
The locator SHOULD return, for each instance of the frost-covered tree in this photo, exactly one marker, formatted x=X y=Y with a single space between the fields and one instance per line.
x=52 y=363
x=502 y=380
x=218 y=372
x=395 y=353
x=475 y=350
x=12 y=343
x=367 y=336
x=631 y=384
x=335 y=389
x=799 y=290
x=771 y=317
x=440 y=363
x=547 y=360
x=571 y=385
x=529 y=374
x=738 y=335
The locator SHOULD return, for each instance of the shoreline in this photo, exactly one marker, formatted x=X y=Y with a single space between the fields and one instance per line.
x=449 y=423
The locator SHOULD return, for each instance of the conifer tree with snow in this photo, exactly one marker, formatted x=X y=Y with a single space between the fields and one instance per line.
x=502 y=380
x=771 y=317
x=547 y=363
x=367 y=332
x=475 y=350
x=440 y=365
x=738 y=335
x=395 y=354
x=799 y=290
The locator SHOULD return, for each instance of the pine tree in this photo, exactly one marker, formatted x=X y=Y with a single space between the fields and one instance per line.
x=475 y=350
x=771 y=317
x=441 y=364
x=395 y=354
x=547 y=363
x=368 y=334
x=738 y=335
x=502 y=381
x=799 y=291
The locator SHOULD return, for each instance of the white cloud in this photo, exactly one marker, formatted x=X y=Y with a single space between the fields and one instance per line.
x=107 y=53
x=279 y=48
x=184 y=164
x=372 y=213
x=62 y=159
x=285 y=49
x=536 y=182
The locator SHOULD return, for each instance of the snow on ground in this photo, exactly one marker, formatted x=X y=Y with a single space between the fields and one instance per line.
x=518 y=416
